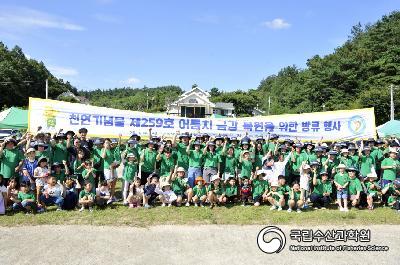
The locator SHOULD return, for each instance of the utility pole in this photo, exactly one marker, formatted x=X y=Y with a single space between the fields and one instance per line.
x=147 y=100
x=391 y=103
x=269 y=104
x=47 y=88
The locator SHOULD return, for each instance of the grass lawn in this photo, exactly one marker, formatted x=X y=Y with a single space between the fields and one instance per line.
x=237 y=214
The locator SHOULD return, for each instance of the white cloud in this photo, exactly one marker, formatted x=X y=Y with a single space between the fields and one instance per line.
x=106 y=18
x=62 y=72
x=20 y=19
x=132 y=81
x=277 y=23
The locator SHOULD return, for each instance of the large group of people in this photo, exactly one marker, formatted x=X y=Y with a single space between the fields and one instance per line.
x=71 y=171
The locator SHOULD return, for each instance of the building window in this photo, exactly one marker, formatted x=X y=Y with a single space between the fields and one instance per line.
x=193 y=112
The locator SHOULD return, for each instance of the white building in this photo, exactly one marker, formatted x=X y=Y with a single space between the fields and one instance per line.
x=196 y=104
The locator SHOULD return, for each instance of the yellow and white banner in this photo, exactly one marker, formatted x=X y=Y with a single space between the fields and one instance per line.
x=53 y=115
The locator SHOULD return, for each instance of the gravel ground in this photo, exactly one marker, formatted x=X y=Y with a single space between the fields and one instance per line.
x=222 y=244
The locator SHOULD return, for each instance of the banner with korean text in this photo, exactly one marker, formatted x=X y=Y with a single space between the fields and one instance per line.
x=53 y=115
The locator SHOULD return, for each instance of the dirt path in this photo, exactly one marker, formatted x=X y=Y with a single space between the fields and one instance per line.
x=210 y=244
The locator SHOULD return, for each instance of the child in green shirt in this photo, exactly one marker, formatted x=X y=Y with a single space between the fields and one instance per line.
x=296 y=198
x=275 y=197
x=130 y=172
x=87 y=197
x=199 y=192
x=89 y=174
x=230 y=191
x=260 y=188
x=341 y=181
x=372 y=190
x=215 y=191
x=25 y=200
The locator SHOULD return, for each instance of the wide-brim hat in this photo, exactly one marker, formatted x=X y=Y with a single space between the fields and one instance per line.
x=219 y=137
x=211 y=143
x=10 y=140
x=366 y=149
x=318 y=149
x=30 y=150
x=135 y=135
x=372 y=175
x=164 y=184
x=274 y=184
x=306 y=166
x=298 y=145
x=314 y=163
x=273 y=136
x=215 y=177
x=199 y=179
x=344 y=150
x=42 y=144
x=323 y=173
x=56 y=164
x=260 y=172
x=180 y=169
x=185 y=135
x=130 y=155
x=196 y=143
x=333 y=153
x=341 y=166
x=42 y=158
x=393 y=150
x=61 y=136
x=98 y=141
x=352 y=169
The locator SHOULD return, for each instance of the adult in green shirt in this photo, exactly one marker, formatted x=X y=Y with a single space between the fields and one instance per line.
x=195 y=161
x=59 y=148
x=211 y=161
x=230 y=192
x=231 y=163
x=367 y=162
x=320 y=197
x=355 y=188
x=182 y=157
x=167 y=163
x=390 y=167
x=148 y=162
x=10 y=156
x=260 y=189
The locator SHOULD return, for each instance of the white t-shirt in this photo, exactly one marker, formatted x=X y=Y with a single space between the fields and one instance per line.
x=3 y=189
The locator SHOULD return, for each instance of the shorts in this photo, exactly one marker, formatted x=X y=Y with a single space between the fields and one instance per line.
x=342 y=194
x=108 y=176
x=257 y=198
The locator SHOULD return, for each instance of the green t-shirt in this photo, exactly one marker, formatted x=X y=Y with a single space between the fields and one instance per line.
x=149 y=161
x=211 y=160
x=117 y=154
x=275 y=196
x=354 y=186
x=195 y=158
x=199 y=191
x=109 y=159
x=75 y=166
x=179 y=186
x=347 y=161
x=299 y=160
x=231 y=190
x=97 y=159
x=268 y=147
x=25 y=196
x=322 y=187
x=90 y=177
x=182 y=156
x=46 y=153
x=366 y=162
x=342 y=179
x=231 y=164
x=285 y=189
x=370 y=191
x=296 y=195
x=130 y=169
x=392 y=190
x=167 y=164
x=60 y=152
x=60 y=177
x=88 y=194
x=9 y=161
x=218 y=190
x=390 y=174
x=247 y=167
x=258 y=160
x=259 y=187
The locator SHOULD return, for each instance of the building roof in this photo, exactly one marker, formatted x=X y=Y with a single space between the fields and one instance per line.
x=195 y=92
x=224 y=105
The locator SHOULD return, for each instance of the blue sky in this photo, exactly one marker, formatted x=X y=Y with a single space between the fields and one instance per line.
x=227 y=44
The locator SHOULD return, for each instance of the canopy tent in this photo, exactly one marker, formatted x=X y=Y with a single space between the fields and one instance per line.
x=14 y=118
x=390 y=128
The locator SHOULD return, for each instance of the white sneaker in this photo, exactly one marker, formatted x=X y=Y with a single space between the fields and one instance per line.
x=187 y=204
x=272 y=208
x=82 y=209
x=201 y=205
x=169 y=205
x=341 y=209
x=279 y=208
x=345 y=209
x=257 y=204
x=163 y=205
x=195 y=205
x=289 y=210
x=90 y=209
x=298 y=211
